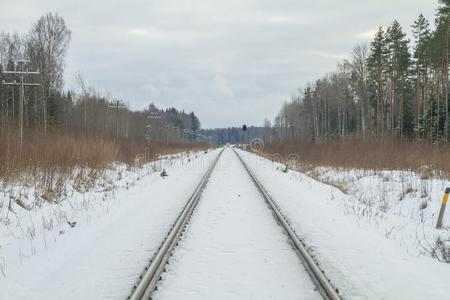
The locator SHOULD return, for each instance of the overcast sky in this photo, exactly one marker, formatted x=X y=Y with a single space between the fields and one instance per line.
x=230 y=61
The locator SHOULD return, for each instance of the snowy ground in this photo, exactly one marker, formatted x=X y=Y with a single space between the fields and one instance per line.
x=368 y=251
x=233 y=248
x=397 y=200
x=117 y=230
x=374 y=241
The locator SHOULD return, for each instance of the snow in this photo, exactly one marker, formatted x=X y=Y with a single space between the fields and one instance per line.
x=373 y=241
x=116 y=234
x=352 y=241
x=406 y=203
x=233 y=247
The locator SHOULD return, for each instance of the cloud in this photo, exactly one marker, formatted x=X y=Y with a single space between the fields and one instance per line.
x=232 y=62
x=366 y=35
x=327 y=55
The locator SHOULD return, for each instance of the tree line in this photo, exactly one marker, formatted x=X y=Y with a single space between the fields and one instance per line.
x=48 y=107
x=392 y=87
x=233 y=135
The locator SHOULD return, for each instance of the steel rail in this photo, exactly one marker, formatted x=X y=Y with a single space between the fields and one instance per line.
x=149 y=280
x=318 y=277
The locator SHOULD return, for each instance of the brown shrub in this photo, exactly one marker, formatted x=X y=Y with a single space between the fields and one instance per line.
x=56 y=153
x=370 y=153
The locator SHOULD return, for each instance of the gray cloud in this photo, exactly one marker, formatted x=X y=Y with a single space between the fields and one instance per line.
x=231 y=62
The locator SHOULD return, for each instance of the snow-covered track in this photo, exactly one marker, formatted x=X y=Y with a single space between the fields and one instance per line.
x=318 y=277
x=149 y=279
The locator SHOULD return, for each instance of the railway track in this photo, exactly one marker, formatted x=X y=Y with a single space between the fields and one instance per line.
x=323 y=284
x=153 y=272
x=151 y=276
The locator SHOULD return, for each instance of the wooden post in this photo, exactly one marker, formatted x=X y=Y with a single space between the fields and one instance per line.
x=441 y=212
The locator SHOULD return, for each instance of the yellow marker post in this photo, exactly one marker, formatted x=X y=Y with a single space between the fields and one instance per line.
x=441 y=212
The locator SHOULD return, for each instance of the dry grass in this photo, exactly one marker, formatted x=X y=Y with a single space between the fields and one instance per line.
x=370 y=153
x=55 y=154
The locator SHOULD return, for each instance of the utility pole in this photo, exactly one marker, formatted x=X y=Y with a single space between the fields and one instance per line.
x=186 y=132
x=21 y=75
x=153 y=116
x=117 y=106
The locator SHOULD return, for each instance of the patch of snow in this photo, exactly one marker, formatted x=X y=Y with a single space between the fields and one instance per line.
x=117 y=230
x=234 y=248
x=367 y=252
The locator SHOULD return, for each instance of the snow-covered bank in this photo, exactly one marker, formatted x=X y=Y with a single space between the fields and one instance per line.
x=393 y=194
x=117 y=229
x=233 y=248
x=367 y=253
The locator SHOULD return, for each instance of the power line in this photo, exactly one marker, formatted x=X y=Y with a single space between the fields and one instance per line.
x=117 y=106
x=21 y=75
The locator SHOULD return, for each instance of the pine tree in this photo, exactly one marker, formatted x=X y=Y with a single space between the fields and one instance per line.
x=443 y=21
x=397 y=67
x=376 y=65
x=422 y=35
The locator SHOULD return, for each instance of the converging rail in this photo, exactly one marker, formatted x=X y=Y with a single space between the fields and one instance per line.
x=323 y=284
x=153 y=272
x=150 y=278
